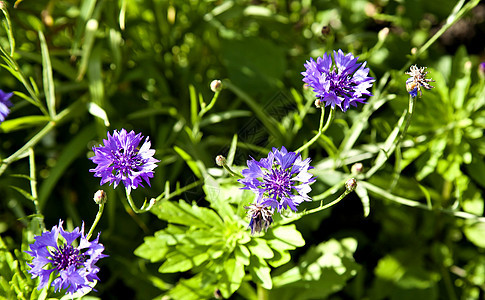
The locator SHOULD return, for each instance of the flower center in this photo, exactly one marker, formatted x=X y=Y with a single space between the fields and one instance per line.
x=66 y=256
x=126 y=160
x=277 y=183
x=341 y=85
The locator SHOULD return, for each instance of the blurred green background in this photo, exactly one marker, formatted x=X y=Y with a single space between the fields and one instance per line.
x=136 y=65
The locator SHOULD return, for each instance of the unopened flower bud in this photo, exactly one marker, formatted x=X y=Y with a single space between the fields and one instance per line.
x=481 y=69
x=220 y=160
x=3 y=5
x=351 y=184
x=383 y=33
x=319 y=103
x=100 y=197
x=357 y=168
x=216 y=86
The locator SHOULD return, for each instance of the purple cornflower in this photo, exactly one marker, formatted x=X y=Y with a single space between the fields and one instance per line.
x=274 y=178
x=417 y=80
x=120 y=159
x=341 y=83
x=74 y=266
x=4 y=105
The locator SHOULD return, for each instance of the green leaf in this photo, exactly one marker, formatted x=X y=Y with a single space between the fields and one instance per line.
x=189 y=161
x=285 y=238
x=260 y=272
x=23 y=122
x=232 y=277
x=217 y=197
x=323 y=270
x=195 y=288
x=49 y=88
x=186 y=214
x=153 y=248
x=242 y=254
x=184 y=259
x=259 y=248
x=475 y=233
x=280 y=258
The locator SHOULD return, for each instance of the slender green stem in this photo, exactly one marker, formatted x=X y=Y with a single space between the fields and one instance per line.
x=33 y=180
x=34 y=140
x=144 y=207
x=408 y=117
x=315 y=210
x=321 y=128
x=205 y=109
x=33 y=189
x=228 y=169
x=413 y=203
x=262 y=293
x=179 y=191
x=96 y=220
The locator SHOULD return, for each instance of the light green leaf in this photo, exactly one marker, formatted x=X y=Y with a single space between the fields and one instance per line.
x=285 y=238
x=49 y=88
x=475 y=233
x=184 y=259
x=189 y=161
x=232 y=277
x=259 y=248
x=23 y=122
x=186 y=214
x=260 y=272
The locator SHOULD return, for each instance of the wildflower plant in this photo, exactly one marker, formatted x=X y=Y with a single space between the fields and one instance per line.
x=73 y=267
x=341 y=82
x=228 y=228
x=122 y=159
x=280 y=181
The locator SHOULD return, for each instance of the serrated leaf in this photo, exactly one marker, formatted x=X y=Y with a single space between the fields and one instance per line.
x=232 y=277
x=184 y=259
x=186 y=214
x=285 y=238
x=205 y=237
x=242 y=254
x=194 y=288
x=280 y=258
x=260 y=248
x=260 y=272
x=153 y=248
x=323 y=270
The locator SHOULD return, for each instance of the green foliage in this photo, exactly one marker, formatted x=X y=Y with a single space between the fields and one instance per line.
x=15 y=282
x=413 y=229
x=215 y=245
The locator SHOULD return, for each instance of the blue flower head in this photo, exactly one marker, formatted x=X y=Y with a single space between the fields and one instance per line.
x=122 y=160
x=279 y=181
x=74 y=266
x=4 y=105
x=342 y=82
